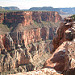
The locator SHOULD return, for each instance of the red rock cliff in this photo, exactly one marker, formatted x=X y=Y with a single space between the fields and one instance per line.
x=24 y=45
x=26 y=18
x=27 y=37
x=46 y=16
x=1 y=17
x=61 y=34
x=19 y=17
x=64 y=45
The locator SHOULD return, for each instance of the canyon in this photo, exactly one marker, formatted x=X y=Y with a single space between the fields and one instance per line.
x=28 y=40
x=37 y=43
x=62 y=60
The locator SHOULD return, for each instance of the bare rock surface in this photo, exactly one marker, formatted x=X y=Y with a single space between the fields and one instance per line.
x=28 y=47
x=45 y=71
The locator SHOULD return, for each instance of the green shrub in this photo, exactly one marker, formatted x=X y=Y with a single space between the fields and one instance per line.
x=73 y=17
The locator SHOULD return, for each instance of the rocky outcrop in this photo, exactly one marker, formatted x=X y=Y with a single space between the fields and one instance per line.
x=63 y=59
x=27 y=17
x=45 y=71
x=25 y=50
x=69 y=72
x=18 y=17
x=24 y=58
x=1 y=43
x=23 y=47
x=46 y=16
x=64 y=56
x=8 y=42
x=11 y=40
x=1 y=17
x=50 y=16
x=20 y=51
x=63 y=33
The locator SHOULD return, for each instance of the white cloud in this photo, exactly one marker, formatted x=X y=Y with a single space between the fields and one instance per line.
x=23 y=4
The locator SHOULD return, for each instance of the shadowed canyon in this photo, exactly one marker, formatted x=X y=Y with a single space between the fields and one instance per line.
x=36 y=43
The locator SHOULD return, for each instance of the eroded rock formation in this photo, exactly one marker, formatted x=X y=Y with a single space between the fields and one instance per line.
x=18 y=17
x=63 y=58
x=27 y=18
x=45 y=71
x=28 y=48
x=64 y=33
x=1 y=17
x=21 y=51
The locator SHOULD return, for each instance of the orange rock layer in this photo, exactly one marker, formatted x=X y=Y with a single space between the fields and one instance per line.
x=27 y=17
x=27 y=37
x=64 y=45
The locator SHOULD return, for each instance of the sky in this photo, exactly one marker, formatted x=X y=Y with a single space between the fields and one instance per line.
x=26 y=4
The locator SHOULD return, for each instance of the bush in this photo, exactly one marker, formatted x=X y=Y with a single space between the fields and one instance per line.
x=73 y=17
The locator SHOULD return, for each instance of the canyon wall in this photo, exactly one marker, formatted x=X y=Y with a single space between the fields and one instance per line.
x=63 y=33
x=25 y=47
x=27 y=17
x=19 y=20
x=1 y=17
x=28 y=47
x=27 y=37
x=63 y=57
x=62 y=61
x=18 y=17
x=46 y=16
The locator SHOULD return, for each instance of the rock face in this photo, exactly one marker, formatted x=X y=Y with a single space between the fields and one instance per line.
x=45 y=71
x=50 y=16
x=27 y=18
x=63 y=59
x=64 y=56
x=27 y=37
x=46 y=16
x=26 y=49
x=1 y=17
x=36 y=16
x=1 y=43
x=69 y=72
x=64 y=33
x=27 y=43
x=20 y=51
x=18 y=17
x=8 y=42
x=23 y=58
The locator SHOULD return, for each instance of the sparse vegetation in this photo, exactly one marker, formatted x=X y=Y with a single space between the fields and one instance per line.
x=4 y=28
x=73 y=17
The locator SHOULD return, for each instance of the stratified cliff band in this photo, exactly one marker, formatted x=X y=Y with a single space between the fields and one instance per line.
x=30 y=42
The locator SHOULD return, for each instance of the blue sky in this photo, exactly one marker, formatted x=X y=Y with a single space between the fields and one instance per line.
x=26 y=4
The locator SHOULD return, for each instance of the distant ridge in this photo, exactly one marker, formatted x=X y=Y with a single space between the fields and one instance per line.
x=70 y=10
x=44 y=9
x=9 y=8
x=60 y=10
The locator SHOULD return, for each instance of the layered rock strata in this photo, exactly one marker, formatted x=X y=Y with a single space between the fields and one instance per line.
x=63 y=58
x=1 y=17
x=11 y=40
x=27 y=17
x=45 y=71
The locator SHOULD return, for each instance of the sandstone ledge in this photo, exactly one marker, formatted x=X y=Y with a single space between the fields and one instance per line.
x=45 y=71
